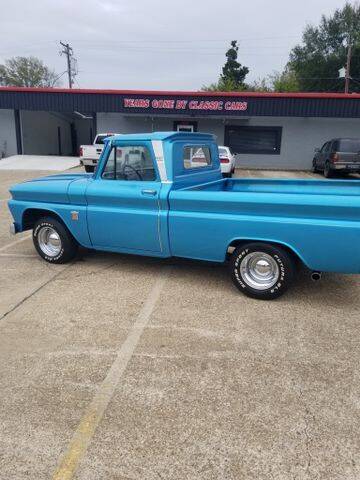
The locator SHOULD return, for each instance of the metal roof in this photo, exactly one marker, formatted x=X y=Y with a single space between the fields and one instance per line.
x=182 y=104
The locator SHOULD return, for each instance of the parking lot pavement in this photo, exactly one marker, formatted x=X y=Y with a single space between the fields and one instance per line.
x=125 y=367
x=38 y=162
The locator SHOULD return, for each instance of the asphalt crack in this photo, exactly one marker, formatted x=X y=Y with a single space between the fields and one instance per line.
x=34 y=292
x=307 y=437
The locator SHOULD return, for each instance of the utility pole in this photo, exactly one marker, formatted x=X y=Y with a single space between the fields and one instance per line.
x=347 y=68
x=68 y=51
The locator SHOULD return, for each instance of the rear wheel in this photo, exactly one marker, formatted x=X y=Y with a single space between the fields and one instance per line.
x=328 y=172
x=261 y=270
x=89 y=169
x=53 y=241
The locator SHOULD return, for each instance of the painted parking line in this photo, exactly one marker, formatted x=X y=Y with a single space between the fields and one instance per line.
x=4 y=199
x=22 y=239
x=95 y=411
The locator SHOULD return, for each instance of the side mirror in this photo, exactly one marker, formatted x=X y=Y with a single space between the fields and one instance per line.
x=317 y=150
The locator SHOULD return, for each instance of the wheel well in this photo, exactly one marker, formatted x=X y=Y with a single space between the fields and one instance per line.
x=237 y=243
x=32 y=215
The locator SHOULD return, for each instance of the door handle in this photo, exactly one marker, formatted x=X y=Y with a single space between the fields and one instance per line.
x=150 y=192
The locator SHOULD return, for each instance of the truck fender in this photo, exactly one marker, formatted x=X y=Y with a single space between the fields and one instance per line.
x=240 y=241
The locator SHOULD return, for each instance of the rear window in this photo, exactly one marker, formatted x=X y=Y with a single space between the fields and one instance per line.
x=196 y=156
x=351 y=146
x=223 y=151
x=100 y=138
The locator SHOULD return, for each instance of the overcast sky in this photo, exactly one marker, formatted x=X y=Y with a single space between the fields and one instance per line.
x=156 y=44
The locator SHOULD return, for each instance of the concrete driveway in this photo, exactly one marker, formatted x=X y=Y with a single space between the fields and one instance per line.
x=122 y=367
x=38 y=162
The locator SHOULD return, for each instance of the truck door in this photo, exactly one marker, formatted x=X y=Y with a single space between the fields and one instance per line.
x=123 y=200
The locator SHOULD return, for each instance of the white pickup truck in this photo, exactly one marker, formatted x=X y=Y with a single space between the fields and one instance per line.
x=90 y=154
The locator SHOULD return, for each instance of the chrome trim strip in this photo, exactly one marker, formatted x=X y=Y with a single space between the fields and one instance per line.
x=160 y=162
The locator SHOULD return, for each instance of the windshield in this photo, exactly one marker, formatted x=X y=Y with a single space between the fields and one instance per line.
x=222 y=151
x=100 y=138
x=349 y=146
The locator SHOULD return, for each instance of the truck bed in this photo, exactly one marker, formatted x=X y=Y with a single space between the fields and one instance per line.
x=317 y=219
x=285 y=186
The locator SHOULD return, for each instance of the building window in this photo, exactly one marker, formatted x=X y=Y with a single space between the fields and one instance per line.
x=260 y=140
x=196 y=156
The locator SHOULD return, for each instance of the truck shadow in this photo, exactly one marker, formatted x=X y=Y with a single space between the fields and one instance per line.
x=333 y=290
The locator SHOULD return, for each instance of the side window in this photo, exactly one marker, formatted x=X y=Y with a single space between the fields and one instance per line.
x=196 y=156
x=324 y=147
x=129 y=163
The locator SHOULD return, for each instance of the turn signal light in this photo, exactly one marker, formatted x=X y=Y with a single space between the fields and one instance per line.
x=80 y=152
x=334 y=157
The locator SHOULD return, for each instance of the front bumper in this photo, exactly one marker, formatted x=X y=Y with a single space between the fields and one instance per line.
x=13 y=229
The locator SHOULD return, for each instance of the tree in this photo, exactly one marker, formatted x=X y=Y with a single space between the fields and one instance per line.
x=233 y=73
x=259 y=85
x=284 y=82
x=316 y=62
x=27 y=72
x=232 y=70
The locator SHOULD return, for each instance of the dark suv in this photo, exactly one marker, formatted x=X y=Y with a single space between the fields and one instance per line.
x=338 y=155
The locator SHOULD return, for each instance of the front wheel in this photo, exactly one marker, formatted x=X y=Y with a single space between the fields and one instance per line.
x=53 y=242
x=261 y=270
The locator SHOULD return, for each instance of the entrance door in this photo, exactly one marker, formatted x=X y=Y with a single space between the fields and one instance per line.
x=123 y=208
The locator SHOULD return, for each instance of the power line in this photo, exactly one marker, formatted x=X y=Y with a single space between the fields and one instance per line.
x=71 y=62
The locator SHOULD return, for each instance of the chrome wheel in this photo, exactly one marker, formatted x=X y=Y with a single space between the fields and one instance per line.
x=49 y=241
x=259 y=270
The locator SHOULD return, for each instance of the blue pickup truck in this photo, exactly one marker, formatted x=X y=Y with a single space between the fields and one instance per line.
x=162 y=194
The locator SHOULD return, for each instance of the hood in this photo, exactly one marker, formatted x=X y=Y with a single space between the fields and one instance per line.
x=53 y=188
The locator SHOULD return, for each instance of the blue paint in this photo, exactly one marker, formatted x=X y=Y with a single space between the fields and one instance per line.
x=196 y=213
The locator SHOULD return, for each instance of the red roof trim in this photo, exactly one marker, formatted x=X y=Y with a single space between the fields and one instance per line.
x=183 y=93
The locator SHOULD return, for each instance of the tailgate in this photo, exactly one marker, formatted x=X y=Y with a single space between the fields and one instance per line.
x=92 y=152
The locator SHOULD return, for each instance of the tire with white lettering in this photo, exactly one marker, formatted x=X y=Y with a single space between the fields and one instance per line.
x=53 y=241
x=262 y=270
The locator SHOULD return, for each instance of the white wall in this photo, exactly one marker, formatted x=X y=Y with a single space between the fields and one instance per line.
x=7 y=133
x=117 y=123
x=40 y=133
x=300 y=136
